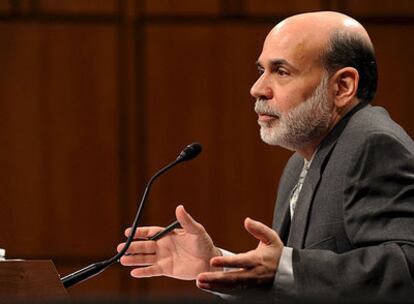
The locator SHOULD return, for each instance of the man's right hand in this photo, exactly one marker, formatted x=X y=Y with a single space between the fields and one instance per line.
x=181 y=254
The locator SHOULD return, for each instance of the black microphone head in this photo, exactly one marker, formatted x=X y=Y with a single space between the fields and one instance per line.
x=190 y=152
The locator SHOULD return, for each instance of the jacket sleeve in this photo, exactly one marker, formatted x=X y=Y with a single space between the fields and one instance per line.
x=378 y=212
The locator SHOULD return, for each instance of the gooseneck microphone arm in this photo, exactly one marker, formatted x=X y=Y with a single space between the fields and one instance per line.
x=89 y=271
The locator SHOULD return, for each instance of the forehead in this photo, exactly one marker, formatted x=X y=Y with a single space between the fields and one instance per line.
x=298 y=47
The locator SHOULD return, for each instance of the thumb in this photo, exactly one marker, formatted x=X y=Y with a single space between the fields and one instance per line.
x=187 y=222
x=262 y=232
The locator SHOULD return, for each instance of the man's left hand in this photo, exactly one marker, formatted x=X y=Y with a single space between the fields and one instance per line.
x=252 y=271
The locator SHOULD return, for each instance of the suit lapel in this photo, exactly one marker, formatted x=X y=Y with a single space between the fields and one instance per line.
x=300 y=219
x=281 y=218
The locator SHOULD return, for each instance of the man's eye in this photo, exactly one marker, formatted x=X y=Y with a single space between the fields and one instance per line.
x=282 y=72
x=260 y=71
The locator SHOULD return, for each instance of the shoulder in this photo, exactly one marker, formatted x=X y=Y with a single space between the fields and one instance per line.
x=373 y=121
x=373 y=144
x=370 y=126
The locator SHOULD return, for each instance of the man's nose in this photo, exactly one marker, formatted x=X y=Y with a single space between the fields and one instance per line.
x=261 y=88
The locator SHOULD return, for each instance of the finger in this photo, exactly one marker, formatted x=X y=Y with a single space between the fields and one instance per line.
x=187 y=222
x=220 y=288
x=145 y=272
x=261 y=232
x=143 y=232
x=138 y=260
x=242 y=260
x=120 y=246
x=224 y=281
x=140 y=247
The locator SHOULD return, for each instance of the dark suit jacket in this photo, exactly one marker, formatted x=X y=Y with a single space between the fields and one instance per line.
x=353 y=227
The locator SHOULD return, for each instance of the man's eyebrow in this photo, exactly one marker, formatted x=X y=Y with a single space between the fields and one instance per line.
x=277 y=62
x=258 y=64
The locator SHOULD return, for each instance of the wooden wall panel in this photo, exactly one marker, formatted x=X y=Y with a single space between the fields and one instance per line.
x=181 y=7
x=395 y=49
x=59 y=140
x=376 y=8
x=5 y=6
x=78 y=6
x=281 y=7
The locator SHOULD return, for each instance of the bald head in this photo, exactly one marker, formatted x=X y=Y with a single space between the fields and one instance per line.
x=321 y=25
x=335 y=41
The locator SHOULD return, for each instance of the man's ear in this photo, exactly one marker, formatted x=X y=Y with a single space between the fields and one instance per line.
x=345 y=82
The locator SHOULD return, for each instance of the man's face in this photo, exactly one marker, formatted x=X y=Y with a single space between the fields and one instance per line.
x=292 y=100
x=300 y=125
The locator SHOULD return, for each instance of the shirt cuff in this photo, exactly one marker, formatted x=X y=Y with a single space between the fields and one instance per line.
x=226 y=253
x=284 y=280
x=223 y=295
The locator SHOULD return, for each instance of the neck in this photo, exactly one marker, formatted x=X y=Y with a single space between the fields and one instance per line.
x=308 y=151
x=338 y=113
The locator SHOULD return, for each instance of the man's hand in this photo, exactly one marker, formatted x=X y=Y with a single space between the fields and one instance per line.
x=253 y=270
x=181 y=254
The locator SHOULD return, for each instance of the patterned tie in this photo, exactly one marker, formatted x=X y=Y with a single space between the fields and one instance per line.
x=298 y=187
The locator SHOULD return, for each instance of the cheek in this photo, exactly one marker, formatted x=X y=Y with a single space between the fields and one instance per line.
x=285 y=102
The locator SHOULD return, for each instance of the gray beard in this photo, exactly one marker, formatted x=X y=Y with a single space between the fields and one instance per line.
x=302 y=124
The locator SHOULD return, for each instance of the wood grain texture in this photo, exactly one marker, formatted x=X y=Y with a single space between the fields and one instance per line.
x=35 y=280
x=59 y=142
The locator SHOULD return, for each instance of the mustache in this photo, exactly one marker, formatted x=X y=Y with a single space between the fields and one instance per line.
x=262 y=107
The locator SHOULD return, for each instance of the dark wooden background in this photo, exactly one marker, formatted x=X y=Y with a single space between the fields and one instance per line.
x=96 y=95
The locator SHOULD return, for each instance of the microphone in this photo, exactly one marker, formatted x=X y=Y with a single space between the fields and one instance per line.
x=188 y=153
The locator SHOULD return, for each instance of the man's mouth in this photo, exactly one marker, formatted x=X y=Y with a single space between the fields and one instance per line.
x=266 y=117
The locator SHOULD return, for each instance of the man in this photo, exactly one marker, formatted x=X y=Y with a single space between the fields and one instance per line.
x=344 y=216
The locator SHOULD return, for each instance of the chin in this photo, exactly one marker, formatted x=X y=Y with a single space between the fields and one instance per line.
x=269 y=136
